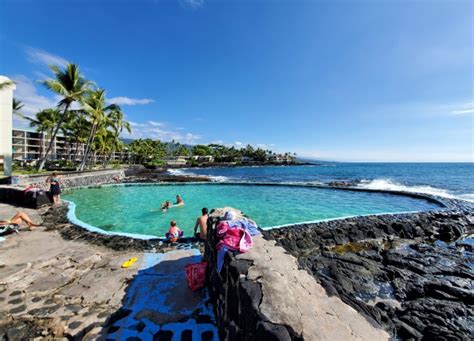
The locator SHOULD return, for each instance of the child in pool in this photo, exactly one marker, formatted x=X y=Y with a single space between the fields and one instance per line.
x=174 y=233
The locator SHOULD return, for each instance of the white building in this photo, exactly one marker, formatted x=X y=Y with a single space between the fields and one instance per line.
x=6 y=112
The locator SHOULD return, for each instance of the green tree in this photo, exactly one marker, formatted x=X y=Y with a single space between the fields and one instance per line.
x=99 y=115
x=201 y=150
x=17 y=106
x=71 y=86
x=44 y=123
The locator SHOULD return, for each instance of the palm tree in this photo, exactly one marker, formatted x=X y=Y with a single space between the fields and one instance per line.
x=71 y=86
x=44 y=122
x=98 y=112
x=6 y=84
x=17 y=106
x=116 y=122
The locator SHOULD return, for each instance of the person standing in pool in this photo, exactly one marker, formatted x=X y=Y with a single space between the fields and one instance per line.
x=55 y=189
x=179 y=200
x=201 y=222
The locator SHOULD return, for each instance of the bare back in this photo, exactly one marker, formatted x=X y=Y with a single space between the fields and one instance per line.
x=203 y=226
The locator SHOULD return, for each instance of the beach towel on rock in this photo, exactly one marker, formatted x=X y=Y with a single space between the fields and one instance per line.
x=235 y=239
x=9 y=229
x=249 y=225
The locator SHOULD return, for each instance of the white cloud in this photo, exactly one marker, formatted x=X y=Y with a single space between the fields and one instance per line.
x=122 y=100
x=27 y=93
x=42 y=57
x=192 y=4
x=262 y=145
x=467 y=108
x=157 y=130
x=238 y=143
x=156 y=124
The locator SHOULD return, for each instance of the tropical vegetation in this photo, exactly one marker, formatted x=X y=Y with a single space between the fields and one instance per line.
x=92 y=128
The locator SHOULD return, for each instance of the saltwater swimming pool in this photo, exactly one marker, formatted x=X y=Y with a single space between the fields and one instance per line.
x=135 y=208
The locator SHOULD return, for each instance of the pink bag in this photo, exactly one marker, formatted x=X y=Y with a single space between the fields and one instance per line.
x=196 y=275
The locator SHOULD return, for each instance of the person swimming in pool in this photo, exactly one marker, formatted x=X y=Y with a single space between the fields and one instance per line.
x=167 y=204
x=179 y=200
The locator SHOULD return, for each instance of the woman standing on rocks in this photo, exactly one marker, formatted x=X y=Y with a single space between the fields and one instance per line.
x=55 y=189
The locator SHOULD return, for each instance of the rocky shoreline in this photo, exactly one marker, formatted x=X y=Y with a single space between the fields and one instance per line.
x=409 y=273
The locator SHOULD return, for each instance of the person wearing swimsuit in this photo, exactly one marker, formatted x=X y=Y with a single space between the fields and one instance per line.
x=55 y=189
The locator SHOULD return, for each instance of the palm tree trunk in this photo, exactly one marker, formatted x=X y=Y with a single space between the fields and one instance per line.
x=42 y=142
x=53 y=137
x=90 y=139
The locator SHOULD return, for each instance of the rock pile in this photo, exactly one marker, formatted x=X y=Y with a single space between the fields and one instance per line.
x=409 y=273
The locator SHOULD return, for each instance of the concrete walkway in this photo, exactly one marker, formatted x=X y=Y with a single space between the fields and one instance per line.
x=55 y=288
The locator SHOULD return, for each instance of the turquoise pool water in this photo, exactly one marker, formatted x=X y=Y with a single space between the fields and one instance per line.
x=135 y=209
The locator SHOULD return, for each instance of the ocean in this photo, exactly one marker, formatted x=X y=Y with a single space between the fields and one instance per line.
x=450 y=180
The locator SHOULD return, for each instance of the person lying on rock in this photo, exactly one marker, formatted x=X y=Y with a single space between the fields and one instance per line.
x=18 y=219
x=174 y=233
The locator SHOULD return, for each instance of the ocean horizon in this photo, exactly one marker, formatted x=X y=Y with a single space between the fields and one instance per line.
x=453 y=180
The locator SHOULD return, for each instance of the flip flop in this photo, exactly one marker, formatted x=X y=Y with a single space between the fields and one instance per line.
x=130 y=262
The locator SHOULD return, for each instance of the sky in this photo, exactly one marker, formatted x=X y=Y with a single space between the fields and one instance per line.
x=351 y=80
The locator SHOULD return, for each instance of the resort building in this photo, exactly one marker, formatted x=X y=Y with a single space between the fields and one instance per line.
x=280 y=158
x=29 y=146
x=176 y=160
x=203 y=158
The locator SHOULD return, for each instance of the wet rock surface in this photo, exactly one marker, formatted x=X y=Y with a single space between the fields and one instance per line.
x=410 y=273
x=160 y=175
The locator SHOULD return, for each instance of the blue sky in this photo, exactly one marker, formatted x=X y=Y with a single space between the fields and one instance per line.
x=336 y=80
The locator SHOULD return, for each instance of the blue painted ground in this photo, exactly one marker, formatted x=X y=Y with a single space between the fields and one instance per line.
x=160 y=306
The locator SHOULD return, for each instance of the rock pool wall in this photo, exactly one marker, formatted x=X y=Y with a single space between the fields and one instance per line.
x=77 y=179
x=409 y=273
x=237 y=299
x=263 y=295
x=14 y=194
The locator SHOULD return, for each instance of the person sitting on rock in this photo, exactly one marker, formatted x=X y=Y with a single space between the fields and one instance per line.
x=18 y=219
x=174 y=233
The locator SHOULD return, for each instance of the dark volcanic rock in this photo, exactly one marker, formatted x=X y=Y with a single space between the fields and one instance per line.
x=409 y=273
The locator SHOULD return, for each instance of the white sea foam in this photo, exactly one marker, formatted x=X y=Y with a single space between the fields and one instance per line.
x=187 y=172
x=386 y=184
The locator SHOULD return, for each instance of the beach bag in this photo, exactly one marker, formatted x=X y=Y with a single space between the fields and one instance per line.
x=196 y=275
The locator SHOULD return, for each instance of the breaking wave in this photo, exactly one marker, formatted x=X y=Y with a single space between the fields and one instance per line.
x=385 y=184
x=186 y=172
